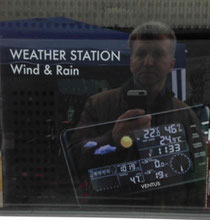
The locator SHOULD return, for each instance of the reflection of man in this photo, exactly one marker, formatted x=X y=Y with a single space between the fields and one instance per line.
x=152 y=59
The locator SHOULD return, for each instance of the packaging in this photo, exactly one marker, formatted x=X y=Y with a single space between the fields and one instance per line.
x=52 y=73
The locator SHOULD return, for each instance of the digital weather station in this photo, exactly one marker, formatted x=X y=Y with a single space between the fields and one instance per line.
x=163 y=158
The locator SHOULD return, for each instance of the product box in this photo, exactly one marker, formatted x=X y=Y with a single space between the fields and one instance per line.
x=53 y=71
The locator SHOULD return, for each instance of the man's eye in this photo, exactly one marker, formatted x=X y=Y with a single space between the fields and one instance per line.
x=141 y=53
x=157 y=53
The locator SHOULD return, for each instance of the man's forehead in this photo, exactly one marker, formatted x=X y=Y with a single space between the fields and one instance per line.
x=164 y=44
x=139 y=42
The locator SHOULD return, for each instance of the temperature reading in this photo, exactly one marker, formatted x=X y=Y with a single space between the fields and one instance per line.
x=159 y=175
x=176 y=139
x=151 y=133
x=165 y=140
x=168 y=139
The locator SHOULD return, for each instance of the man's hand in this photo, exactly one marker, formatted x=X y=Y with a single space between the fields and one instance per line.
x=126 y=127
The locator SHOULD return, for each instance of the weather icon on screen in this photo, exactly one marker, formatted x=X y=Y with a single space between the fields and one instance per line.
x=90 y=144
x=126 y=141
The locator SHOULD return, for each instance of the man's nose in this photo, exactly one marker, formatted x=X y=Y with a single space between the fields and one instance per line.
x=148 y=60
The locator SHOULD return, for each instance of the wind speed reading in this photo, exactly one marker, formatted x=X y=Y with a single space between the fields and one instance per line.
x=151 y=133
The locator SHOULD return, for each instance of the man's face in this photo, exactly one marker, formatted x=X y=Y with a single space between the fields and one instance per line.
x=151 y=61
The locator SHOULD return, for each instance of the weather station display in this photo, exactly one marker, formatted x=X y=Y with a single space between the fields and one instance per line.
x=164 y=160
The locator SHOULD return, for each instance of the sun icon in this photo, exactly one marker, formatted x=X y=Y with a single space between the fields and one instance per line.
x=126 y=141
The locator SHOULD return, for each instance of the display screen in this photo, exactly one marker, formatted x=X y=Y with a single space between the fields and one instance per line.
x=161 y=140
x=164 y=160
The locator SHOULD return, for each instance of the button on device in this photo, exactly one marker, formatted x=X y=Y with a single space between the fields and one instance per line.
x=195 y=135
x=197 y=144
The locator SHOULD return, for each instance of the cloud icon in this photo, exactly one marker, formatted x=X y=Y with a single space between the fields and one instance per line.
x=105 y=150
x=90 y=144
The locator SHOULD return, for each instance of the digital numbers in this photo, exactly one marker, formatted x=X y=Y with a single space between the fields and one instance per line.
x=158 y=164
x=160 y=150
x=174 y=148
x=123 y=168
x=151 y=133
x=135 y=179
x=164 y=140
x=167 y=133
x=173 y=128
x=169 y=149
x=128 y=167
x=159 y=175
x=132 y=166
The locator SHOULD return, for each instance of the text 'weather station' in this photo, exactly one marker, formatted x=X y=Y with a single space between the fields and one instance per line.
x=68 y=57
